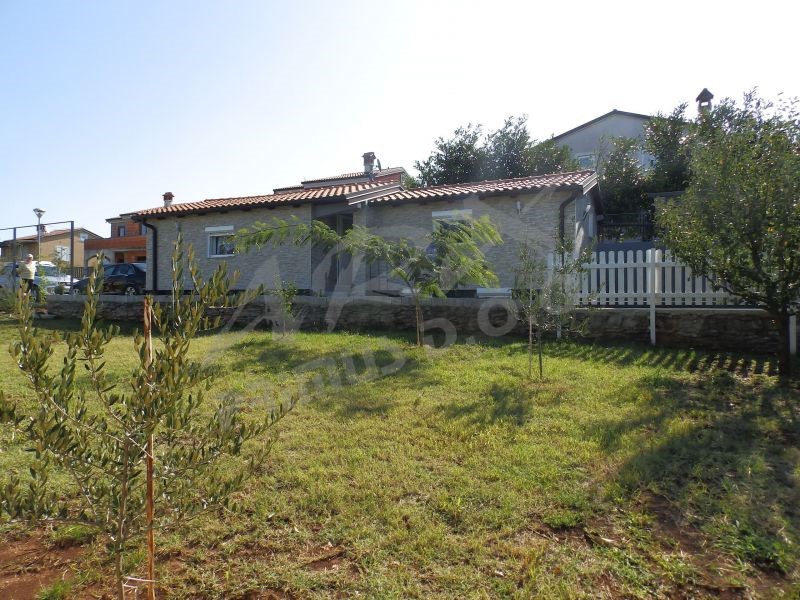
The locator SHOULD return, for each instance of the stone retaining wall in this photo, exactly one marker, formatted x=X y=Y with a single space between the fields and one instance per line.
x=709 y=328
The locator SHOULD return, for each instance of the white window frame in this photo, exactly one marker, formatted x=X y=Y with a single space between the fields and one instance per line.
x=221 y=231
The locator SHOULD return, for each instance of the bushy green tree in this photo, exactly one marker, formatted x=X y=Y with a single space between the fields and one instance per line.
x=622 y=181
x=100 y=432
x=738 y=222
x=667 y=139
x=504 y=153
x=454 y=160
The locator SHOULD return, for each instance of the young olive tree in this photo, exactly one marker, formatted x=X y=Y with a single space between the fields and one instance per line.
x=545 y=291
x=116 y=440
x=738 y=222
x=451 y=255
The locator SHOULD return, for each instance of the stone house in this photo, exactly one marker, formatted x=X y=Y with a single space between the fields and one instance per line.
x=529 y=208
x=54 y=245
x=127 y=243
x=592 y=140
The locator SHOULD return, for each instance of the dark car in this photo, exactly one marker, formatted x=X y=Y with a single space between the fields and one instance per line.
x=123 y=278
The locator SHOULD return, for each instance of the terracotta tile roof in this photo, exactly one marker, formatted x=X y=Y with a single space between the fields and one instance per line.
x=52 y=233
x=383 y=192
x=357 y=174
x=494 y=187
x=216 y=204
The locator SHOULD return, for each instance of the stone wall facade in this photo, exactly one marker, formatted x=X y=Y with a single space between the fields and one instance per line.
x=728 y=329
x=526 y=217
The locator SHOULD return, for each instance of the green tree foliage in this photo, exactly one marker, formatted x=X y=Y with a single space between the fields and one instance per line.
x=622 y=182
x=505 y=153
x=667 y=139
x=739 y=220
x=449 y=256
x=96 y=430
x=454 y=160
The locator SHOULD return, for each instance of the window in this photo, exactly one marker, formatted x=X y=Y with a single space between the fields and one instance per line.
x=220 y=240
x=62 y=253
x=121 y=231
x=441 y=218
x=587 y=161
x=142 y=229
x=221 y=245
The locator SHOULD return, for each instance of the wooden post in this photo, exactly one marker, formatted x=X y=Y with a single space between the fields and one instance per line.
x=652 y=284
x=151 y=546
x=793 y=335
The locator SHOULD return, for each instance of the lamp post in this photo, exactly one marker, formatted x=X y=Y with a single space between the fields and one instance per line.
x=39 y=213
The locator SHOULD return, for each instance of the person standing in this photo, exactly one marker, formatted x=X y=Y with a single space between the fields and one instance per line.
x=27 y=273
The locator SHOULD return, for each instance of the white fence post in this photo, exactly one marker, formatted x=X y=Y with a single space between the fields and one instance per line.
x=793 y=335
x=651 y=253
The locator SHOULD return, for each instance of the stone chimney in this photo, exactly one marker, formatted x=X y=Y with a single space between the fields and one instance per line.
x=704 y=100
x=369 y=162
x=168 y=199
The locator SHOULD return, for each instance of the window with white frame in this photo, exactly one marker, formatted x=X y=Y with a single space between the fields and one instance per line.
x=443 y=218
x=220 y=241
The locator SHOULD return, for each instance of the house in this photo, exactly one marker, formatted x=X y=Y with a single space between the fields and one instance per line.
x=55 y=245
x=128 y=242
x=528 y=208
x=592 y=140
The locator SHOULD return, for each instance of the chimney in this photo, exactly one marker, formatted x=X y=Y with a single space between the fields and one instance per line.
x=369 y=163
x=168 y=199
x=704 y=101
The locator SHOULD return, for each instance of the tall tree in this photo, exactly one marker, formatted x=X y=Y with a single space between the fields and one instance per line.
x=739 y=220
x=622 y=181
x=505 y=153
x=667 y=140
x=454 y=160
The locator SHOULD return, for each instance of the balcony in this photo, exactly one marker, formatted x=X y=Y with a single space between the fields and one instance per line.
x=118 y=244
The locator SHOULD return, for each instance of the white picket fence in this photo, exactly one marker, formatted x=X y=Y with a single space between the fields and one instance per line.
x=649 y=278
x=645 y=277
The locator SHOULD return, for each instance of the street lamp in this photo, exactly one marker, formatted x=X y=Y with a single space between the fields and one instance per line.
x=39 y=213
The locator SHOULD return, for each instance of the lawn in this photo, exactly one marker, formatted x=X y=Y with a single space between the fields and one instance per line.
x=443 y=473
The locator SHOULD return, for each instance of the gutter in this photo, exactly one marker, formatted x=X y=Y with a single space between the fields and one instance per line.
x=562 y=209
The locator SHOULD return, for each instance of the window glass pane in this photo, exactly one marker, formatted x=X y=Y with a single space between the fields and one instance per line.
x=222 y=245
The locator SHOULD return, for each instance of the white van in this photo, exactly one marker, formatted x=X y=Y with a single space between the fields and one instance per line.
x=48 y=277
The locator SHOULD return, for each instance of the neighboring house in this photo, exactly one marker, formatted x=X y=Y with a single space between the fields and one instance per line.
x=592 y=140
x=55 y=246
x=528 y=208
x=127 y=244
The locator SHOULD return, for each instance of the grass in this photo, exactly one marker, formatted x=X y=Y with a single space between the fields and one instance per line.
x=628 y=471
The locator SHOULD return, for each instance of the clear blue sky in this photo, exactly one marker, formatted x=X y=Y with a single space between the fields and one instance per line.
x=104 y=106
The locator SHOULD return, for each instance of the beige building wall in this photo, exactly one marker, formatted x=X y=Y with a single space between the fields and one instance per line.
x=48 y=248
x=527 y=217
x=287 y=262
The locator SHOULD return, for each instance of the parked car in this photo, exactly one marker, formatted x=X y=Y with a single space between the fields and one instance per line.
x=122 y=278
x=48 y=277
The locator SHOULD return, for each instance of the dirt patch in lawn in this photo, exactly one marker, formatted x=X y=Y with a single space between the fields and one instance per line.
x=29 y=564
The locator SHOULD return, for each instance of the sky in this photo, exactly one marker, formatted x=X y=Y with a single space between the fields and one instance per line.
x=104 y=106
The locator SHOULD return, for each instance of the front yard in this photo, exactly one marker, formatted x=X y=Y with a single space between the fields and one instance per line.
x=627 y=472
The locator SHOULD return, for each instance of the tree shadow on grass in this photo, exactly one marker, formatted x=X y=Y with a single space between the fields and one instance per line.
x=510 y=402
x=690 y=360
x=723 y=454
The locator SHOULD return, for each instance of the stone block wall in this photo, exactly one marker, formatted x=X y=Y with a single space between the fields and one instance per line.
x=728 y=329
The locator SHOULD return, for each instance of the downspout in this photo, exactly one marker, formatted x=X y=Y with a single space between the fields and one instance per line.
x=155 y=255
x=561 y=215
